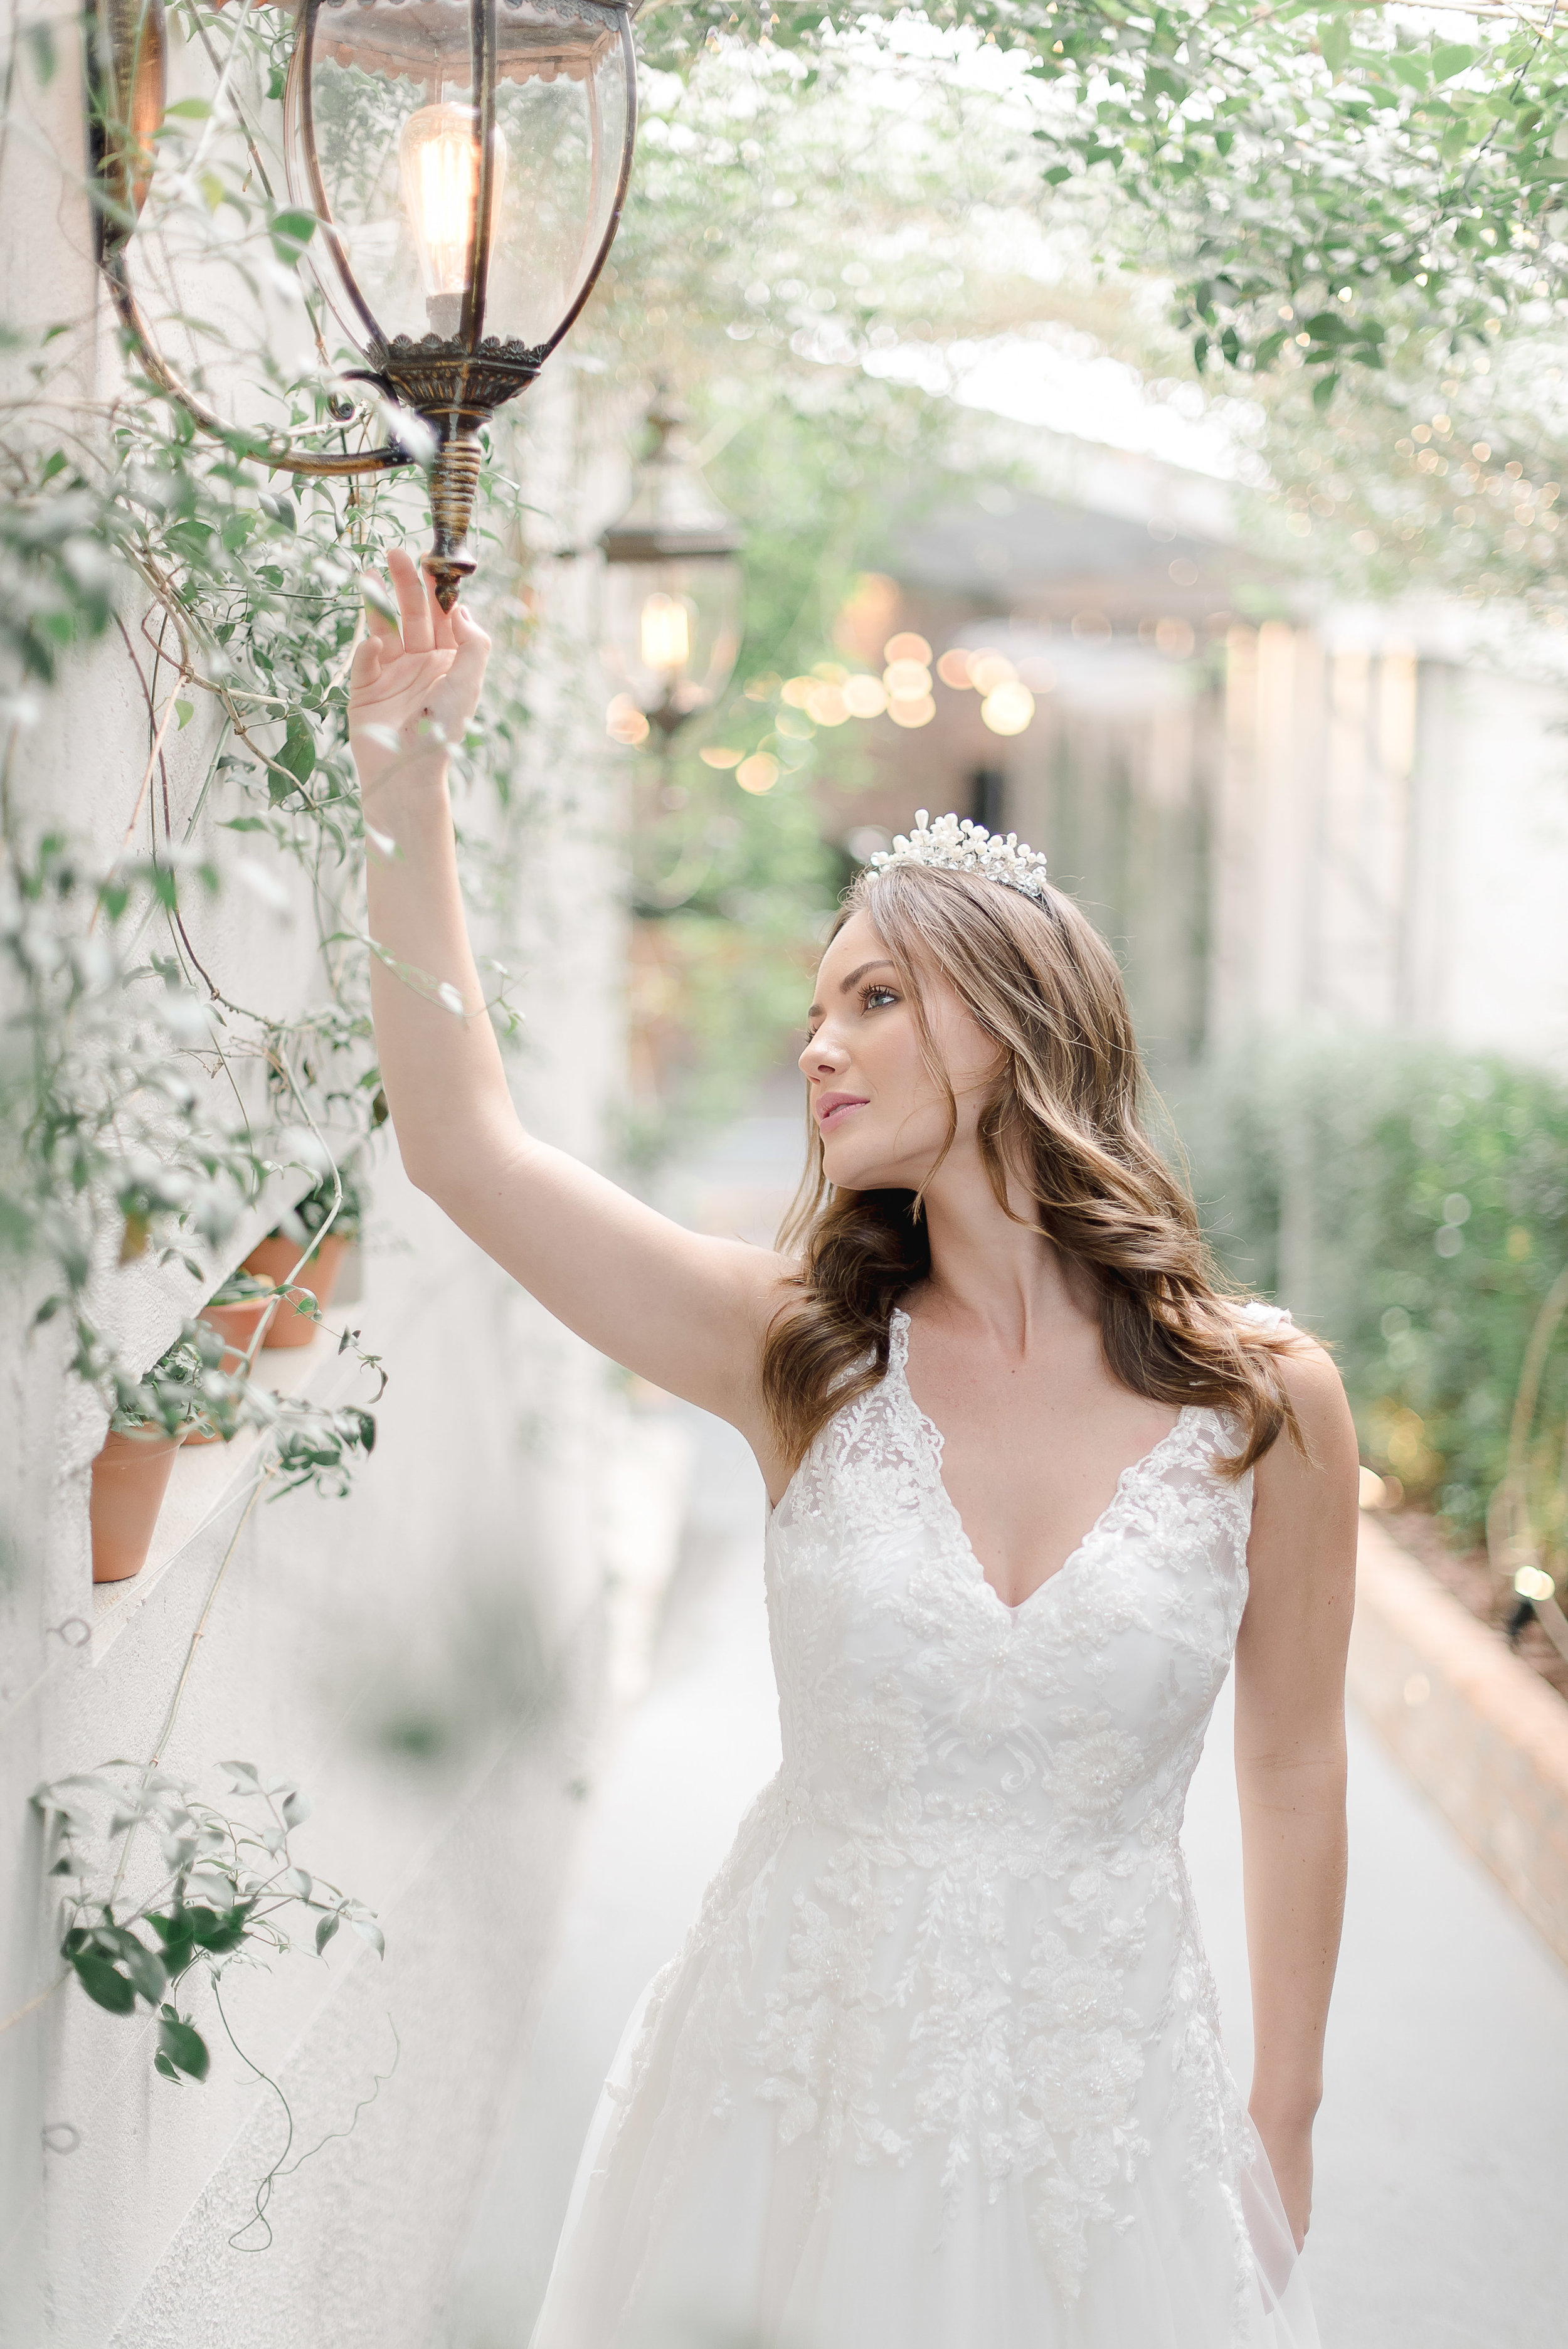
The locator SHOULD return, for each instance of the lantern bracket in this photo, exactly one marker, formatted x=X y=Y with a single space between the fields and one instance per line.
x=128 y=72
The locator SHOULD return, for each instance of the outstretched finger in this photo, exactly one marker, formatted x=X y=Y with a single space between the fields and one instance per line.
x=380 y=623
x=366 y=666
x=413 y=604
x=466 y=672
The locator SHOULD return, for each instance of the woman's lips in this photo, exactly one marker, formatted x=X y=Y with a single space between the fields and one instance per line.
x=833 y=1108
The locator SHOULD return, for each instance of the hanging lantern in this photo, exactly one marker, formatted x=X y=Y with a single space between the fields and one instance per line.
x=465 y=161
x=672 y=599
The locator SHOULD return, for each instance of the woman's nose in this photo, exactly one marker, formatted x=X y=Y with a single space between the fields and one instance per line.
x=821 y=1056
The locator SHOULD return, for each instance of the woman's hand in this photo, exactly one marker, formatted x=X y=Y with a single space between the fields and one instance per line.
x=412 y=689
x=1289 y=2149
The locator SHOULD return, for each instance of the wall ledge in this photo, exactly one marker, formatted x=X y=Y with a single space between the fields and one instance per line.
x=1482 y=1734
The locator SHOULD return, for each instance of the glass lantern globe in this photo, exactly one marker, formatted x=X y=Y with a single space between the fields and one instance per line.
x=671 y=615
x=467 y=164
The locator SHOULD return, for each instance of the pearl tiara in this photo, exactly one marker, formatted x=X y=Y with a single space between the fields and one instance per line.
x=964 y=847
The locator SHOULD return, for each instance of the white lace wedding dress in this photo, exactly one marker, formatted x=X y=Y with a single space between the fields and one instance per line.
x=939 y=2066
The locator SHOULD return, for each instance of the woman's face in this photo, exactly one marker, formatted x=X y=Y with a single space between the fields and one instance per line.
x=882 y=1119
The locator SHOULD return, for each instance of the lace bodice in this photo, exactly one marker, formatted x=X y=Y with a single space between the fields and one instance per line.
x=957 y=1928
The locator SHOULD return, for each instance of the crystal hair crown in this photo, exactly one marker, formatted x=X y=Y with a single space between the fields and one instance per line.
x=964 y=847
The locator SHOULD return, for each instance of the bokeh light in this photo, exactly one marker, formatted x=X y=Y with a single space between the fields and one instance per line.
x=906 y=680
x=907 y=646
x=952 y=669
x=758 y=773
x=865 y=697
x=988 y=669
x=1008 y=707
x=624 y=722
x=826 y=705
x=716 y=756
x=916 y=710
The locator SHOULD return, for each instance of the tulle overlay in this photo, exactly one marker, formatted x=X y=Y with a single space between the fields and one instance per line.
x=939 y=2065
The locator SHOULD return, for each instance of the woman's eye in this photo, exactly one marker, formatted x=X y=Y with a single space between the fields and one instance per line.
x=875 y=995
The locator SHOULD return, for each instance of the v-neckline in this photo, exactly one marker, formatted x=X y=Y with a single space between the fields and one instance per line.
x=898 y=1365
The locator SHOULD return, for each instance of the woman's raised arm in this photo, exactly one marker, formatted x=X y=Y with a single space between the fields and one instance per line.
x=685 y=1312
x=1290 y=1758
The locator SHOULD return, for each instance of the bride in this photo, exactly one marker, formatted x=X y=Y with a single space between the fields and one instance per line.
x=939 y=2065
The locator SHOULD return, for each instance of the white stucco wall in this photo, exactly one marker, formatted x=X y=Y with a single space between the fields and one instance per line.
x=1389 y=841
x=424 y=1657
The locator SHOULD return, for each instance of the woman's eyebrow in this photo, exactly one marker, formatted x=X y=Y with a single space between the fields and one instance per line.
x=878 y=962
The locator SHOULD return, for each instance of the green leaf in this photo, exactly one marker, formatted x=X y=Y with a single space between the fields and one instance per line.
x=185 y=2048
x=219 y=1930
x=175 y=1933
x=185 y=711
x=297 y=755
x=40 y=40
x=1451 y=57
x=143 y=1965
x=103 y=1981
x=291 y=233
x=377 y=595
x=192 y=110
x=369 y=1932
x=1334 y=41
x=1323 y=389
x=325 y=1929
x=161 y=2064
x=297 y=1807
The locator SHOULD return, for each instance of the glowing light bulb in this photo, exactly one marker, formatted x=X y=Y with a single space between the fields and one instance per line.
x=438 y=162
x=666 y=633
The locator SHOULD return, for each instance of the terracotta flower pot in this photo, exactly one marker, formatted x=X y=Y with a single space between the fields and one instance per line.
x=273 y=1260
x=236 y=1325
x=130 y=1476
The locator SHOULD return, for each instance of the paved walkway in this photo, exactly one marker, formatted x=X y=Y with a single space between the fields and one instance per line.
x=1444 y=2144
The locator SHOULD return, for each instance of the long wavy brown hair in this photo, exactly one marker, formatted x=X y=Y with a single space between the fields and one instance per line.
x=1063 y=1116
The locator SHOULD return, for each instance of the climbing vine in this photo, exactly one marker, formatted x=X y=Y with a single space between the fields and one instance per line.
x=146 y=1103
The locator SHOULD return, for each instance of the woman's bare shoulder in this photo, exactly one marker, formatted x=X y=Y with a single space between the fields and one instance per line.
x=1310 y=1377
